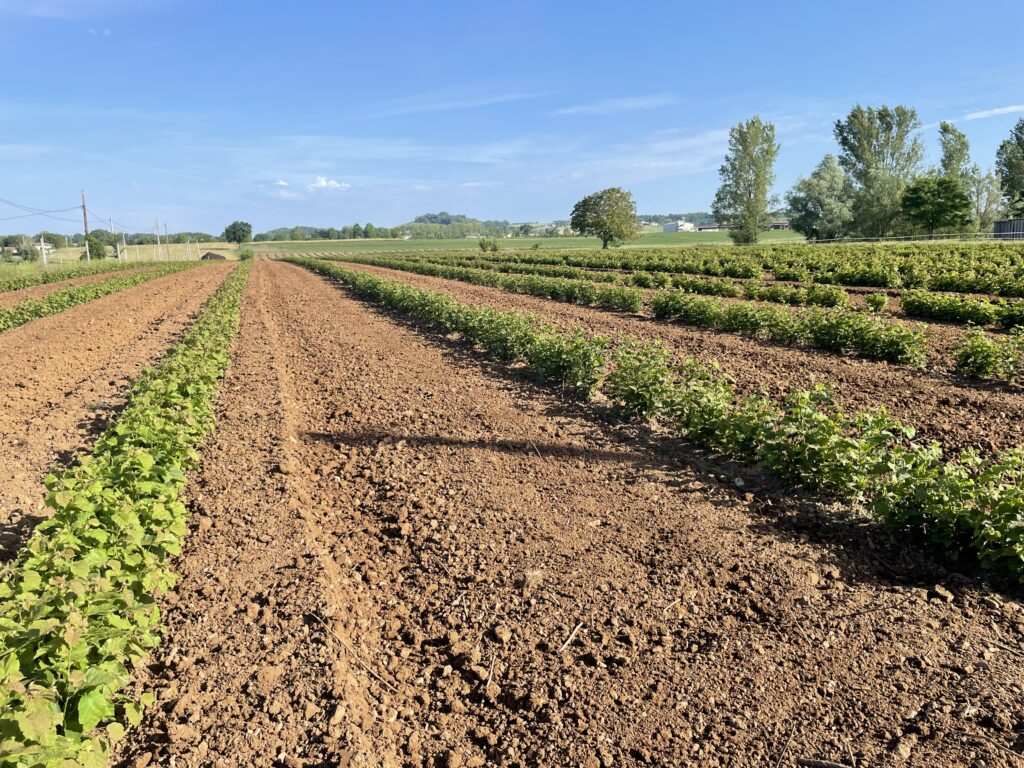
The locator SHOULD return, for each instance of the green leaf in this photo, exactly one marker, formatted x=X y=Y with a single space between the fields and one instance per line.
x=94 y=707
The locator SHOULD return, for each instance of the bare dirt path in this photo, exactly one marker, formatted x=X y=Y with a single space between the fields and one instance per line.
x=956 y=412
x=407 y=556
x=10 y=298
x=63 y=375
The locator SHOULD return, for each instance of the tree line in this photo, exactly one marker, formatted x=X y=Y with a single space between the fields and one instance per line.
x=875 y=186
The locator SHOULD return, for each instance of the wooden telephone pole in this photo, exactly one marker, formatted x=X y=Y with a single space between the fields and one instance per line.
x=85 y=222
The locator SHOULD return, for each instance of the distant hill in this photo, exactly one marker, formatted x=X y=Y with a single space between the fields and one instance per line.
x=453 y=226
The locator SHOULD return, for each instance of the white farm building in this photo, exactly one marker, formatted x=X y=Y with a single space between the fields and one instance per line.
x=679 y=226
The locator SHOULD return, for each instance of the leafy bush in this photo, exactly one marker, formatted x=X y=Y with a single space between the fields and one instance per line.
x=641 y=380
x=245 y=253
x=876 y=302
x=983 y=356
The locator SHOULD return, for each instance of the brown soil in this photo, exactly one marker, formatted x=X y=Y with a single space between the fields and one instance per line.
x=10 y=298
x=63 y=375
x=404 y=555
x=953 y=410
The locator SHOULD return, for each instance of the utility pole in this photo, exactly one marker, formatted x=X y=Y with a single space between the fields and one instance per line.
x=167 y=244
x=85 y=222
x=42 y=251
x=157 y=254
x=117 y=245
x=124 y=248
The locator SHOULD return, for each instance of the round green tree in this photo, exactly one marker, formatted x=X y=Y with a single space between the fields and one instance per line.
x=609 y=214
x=238 y=232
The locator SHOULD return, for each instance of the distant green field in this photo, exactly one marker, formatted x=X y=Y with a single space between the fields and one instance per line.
x=653 y=239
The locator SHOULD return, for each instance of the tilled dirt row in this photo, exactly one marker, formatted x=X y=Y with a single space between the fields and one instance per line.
x=407 y=556
x=954 y=411
x=10 y=298
x=63 y=375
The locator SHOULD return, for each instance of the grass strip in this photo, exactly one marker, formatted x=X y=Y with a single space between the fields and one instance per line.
x=969 y=505
x=42 y=276
x=77 y=605
x=54 y=303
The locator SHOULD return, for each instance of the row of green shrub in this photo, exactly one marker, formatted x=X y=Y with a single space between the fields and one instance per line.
x=989 y=267
x=985 y=356
x=835 y=330
x=962 y=309
x=27 y=277
x=582 y=292
x=968 y=504
x=76 y=606
x=31 y=309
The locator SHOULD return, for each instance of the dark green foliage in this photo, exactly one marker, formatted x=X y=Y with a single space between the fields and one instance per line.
x=238 y=232
x=937 y=204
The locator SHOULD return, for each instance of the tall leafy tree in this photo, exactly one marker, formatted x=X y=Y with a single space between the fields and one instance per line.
x=956 y=155
x=609 y=214
x=1010 y=168
x=880 y=149
x=986 y=194
x=821 y=206
x=937 y=204
x=742 y=199
x=238 y=232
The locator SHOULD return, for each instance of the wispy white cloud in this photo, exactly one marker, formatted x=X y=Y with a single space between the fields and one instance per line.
x=280 y=183
x=625 y=104
x=1011 y=110
x=322 y=182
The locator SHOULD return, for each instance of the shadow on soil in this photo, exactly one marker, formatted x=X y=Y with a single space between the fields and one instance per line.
x=863 y=550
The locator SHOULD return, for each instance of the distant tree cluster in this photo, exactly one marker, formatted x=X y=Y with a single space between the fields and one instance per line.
x=877 y=186
x=350 y=232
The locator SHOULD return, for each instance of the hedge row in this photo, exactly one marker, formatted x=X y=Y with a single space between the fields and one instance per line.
x=582 y=292
x=40 y=276
x=835 y=330
x=76 y=606
x=968 y=504
x=989 y=267
x=962 y=309
x=31 y=309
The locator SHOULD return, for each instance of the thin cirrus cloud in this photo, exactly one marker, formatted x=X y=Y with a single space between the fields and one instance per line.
x=981 y=115
x=322 y=182
x=625 y=104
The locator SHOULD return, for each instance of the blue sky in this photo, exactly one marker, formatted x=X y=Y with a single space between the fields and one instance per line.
x=329 y=113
